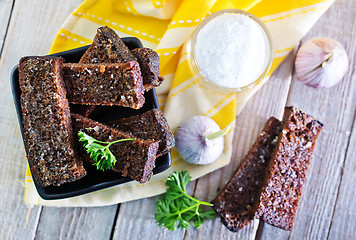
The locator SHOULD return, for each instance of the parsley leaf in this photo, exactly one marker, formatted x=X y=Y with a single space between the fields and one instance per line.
x=178 y=206
x=99 y=151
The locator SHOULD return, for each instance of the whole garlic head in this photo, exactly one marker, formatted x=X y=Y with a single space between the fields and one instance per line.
x=321 y=62
x=199 y=140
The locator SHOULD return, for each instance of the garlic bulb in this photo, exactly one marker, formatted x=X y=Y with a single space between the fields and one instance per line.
x=199 y=140
x=321 y=62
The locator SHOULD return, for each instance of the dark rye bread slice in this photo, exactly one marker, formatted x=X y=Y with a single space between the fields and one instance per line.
x=135 y=159
x=47 y=123
x=107 y=47
x=149 y=64
x=104 y=84
x=238 y=201
x=149 y=125
x=288 y=171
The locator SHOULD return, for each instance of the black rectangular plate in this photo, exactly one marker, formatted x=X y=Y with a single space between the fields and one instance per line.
x=95 y=179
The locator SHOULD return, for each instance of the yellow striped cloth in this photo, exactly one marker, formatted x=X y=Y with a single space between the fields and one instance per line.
x=166 y=26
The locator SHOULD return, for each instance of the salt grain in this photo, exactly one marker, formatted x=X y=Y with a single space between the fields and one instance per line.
x=96 y=129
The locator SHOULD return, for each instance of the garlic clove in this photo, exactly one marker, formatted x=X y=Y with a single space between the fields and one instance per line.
x=321 y=62
x=193 y=144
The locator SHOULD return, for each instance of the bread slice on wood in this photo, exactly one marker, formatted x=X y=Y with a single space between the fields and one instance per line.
x=104 y=84
x=238 y=201
x=288 y=171
x=268 y=184
x=149 y=64
x=135 y=159
x=46 y=122
x=149 y=125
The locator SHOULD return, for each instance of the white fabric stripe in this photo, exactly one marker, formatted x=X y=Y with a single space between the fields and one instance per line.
x=166 y=84
x=281 y=54
x=175 y=37
x=72 y=26
x=87 y=29
x=165 y=12
x=284 y=36
x=221 y=105
x=297 y=10
x=193 y=93
x=115 y=24
x=182 y=85
x=185 y=57
x=168 y=77
x=86 y=42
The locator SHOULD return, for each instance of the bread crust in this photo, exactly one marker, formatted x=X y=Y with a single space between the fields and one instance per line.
x=288 y=171
x=237 y=202
x=149 y=64
x=104 y=84
x=149 y=125
x=107 y=47
x=270 y=189
x=135 y=159
x=47 y=123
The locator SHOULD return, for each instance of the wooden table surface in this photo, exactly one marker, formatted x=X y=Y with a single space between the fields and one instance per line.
x=327 y=208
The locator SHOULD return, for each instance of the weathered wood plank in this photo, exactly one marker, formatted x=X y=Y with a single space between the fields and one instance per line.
x=269 y=101
x=344 y=212
x=269 y=232
x=335 y=107
x=342 y=226
x=31 y=31
x=136 y=221
x=32 y=21
x=76 y=223
x=5 y=13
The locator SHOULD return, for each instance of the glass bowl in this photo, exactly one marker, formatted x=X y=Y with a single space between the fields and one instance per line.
x=268 y=55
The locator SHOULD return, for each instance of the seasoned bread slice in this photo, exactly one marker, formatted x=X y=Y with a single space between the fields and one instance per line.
x=47 y=123
x=107 y=47
x=149 y=125
x=104 y=84
x=237 y=202
x=288 y=171
x=135 y=159
x=149 y=64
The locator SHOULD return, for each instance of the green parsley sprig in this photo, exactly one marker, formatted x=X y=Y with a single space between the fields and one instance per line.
x=178 y=206
x=99 y=151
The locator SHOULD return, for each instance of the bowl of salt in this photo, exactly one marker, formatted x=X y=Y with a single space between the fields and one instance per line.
x=232 y=50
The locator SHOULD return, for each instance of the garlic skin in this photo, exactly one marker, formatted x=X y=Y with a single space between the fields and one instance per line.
x=321 y=62
x=193 y=144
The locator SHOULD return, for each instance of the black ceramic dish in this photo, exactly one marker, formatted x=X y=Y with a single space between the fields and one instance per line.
x=95 y=179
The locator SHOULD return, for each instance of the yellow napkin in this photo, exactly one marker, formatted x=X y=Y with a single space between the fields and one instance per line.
x=166 y=26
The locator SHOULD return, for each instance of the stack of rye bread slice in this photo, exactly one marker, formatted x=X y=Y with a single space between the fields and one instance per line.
x=57 y=99
x=268 y=183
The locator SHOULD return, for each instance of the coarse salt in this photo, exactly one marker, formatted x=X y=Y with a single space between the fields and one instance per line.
x=232 y=50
